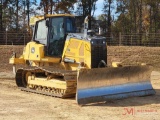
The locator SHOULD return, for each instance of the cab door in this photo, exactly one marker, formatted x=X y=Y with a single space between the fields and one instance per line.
x=56 y=37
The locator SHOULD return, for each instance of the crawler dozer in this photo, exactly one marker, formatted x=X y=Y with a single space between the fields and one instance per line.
x=62 y=63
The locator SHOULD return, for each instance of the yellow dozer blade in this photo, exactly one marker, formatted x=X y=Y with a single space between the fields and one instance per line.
x=104 y=84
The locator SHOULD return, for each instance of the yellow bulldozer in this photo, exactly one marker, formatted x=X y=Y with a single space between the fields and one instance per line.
x=62 y=63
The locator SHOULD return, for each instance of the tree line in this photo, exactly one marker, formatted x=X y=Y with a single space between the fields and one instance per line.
x=125 y=16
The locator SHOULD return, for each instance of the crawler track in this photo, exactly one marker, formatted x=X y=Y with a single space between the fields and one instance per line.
x=40 y=92
x=69 y=79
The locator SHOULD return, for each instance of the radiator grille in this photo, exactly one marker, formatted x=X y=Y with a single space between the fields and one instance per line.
x=98 y=52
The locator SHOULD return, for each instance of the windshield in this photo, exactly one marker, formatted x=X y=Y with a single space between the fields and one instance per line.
x=70 y=26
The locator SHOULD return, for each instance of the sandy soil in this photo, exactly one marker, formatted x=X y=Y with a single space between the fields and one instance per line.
x=19 y=105
x=16 y=105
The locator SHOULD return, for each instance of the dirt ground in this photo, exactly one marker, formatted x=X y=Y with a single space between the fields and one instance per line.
x=19 y=105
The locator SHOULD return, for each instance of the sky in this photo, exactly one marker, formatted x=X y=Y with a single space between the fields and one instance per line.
x=99 y=6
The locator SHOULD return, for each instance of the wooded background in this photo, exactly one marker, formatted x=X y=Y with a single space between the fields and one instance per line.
x=140 y=19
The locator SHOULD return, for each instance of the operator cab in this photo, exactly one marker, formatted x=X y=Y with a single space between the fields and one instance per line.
x=52 y=32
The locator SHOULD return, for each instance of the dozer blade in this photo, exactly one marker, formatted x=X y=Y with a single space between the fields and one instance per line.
x=102 y=84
